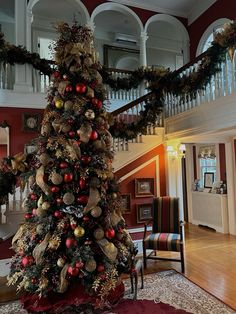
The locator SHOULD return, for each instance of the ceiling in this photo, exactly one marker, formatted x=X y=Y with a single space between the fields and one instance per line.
x=185 y=8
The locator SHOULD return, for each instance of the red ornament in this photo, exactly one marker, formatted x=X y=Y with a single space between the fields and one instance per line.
x=57 y=74
x=81 y=88
x=34 y=211
x=59 y=201
x=63 y=165
x=27 y=216
x=83 y=199
x=58 y=214
x=101 y=268
x=27 y=260
x=72 y=134
x=33 y=197
x=73 y=226
x=65 y=77
x=34 y=281
x=79 y=142
x=55 y=189
x=86 y=218
x=82 y=183
x=94 y=135
x=73 y=271
x=70 y=121
x=79 y=264
x=86 y=159
x=70 y=242
x=68 y=177
x=97 y=103
x=69 y=88
x=110 y=233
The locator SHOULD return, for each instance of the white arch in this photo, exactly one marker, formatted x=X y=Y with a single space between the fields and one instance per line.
x=170 y=19
x=116 y=7
x=32 y=3
x=176 y=23
x=216 y=24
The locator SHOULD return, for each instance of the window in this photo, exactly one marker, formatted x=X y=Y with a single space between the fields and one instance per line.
x=206 y=165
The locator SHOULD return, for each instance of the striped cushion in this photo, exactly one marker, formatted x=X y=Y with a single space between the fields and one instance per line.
x=163 y=241
x=166 y=214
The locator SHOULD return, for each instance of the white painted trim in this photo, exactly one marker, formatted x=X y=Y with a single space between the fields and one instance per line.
x=156 y=159
x=208 y=32
x=116 y=7
x=137 y=230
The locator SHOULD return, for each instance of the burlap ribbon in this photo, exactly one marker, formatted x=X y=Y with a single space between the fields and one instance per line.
x=108 y=249
x=40 y=181
x=40 y=249
x=18 y=235
x=94 y=198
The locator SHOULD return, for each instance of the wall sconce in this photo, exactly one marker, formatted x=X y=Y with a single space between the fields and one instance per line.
x=171 y=151
x=182 y=150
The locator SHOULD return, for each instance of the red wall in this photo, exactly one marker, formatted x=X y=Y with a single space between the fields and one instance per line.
x=14 y=118
x=3 y=150
x=128 y=185
x=220 y=9
x=222 y=162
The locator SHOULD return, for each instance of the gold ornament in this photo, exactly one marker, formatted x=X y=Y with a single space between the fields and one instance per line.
x=231 y=53
x=68 y=198
x=90 y=265
x=45 y=205
x=60 y=262
x=114 y=196
x=98 y=234
x=96 y=211
x=41 y=212
x=68 y=105
x=59 y=104
x=56 y=178
x=90 y=114
x=79 y=232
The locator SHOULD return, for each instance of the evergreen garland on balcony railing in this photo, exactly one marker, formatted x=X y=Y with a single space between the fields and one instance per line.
x=160 y=80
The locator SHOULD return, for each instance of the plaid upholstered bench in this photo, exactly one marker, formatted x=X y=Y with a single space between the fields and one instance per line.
x=138 y=268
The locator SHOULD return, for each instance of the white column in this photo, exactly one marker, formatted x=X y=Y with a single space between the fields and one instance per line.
x=230 y=171
x=23 y=79
x=91 y=25
x=143 y=52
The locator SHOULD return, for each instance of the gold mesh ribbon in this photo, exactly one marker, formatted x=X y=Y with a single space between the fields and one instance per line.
x=40 y=249
x=108 y=249
x=18 y=163
x=40 y=182
x=63 y=283
x=85 y=132
x=94 y=198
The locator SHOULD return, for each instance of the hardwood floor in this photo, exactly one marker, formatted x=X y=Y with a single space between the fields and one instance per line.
x=210 y=260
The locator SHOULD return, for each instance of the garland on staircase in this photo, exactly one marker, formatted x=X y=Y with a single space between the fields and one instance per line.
x=160 y=80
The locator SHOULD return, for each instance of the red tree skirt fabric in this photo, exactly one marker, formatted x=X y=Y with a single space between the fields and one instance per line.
x=144 y=307
x=75 y=296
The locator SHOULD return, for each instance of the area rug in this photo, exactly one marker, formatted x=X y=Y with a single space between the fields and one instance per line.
x=164 y=292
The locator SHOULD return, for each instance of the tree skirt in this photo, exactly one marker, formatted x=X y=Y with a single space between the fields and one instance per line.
x=164 y=292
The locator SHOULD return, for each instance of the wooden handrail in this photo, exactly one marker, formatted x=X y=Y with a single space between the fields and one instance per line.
x=131 y=104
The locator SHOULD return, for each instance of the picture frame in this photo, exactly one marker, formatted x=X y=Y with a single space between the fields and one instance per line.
x=144 y=187
x=208 y=179
x=31 y=122
x=144 y=212
x=126 y=200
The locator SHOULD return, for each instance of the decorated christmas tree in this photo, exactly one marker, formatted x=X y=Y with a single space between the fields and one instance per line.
x=73 y=245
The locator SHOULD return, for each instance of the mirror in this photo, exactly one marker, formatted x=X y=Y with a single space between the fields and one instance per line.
x=121 y=57
x=4 y=140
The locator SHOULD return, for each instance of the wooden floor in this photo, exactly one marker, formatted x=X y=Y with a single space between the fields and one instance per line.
x=210 y=263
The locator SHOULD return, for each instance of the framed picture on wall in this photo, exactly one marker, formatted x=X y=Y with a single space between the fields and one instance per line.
x=144 y=187
x=144 y=212
x=208 y=179
x=126 y=203
x=31 y=122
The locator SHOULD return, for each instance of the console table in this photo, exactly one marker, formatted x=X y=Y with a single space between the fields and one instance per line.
x=211 y=210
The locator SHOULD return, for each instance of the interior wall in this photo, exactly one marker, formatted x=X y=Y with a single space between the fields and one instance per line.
x=14 y=118
x=3 y=151
x=9 y=31
x=220 y=9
